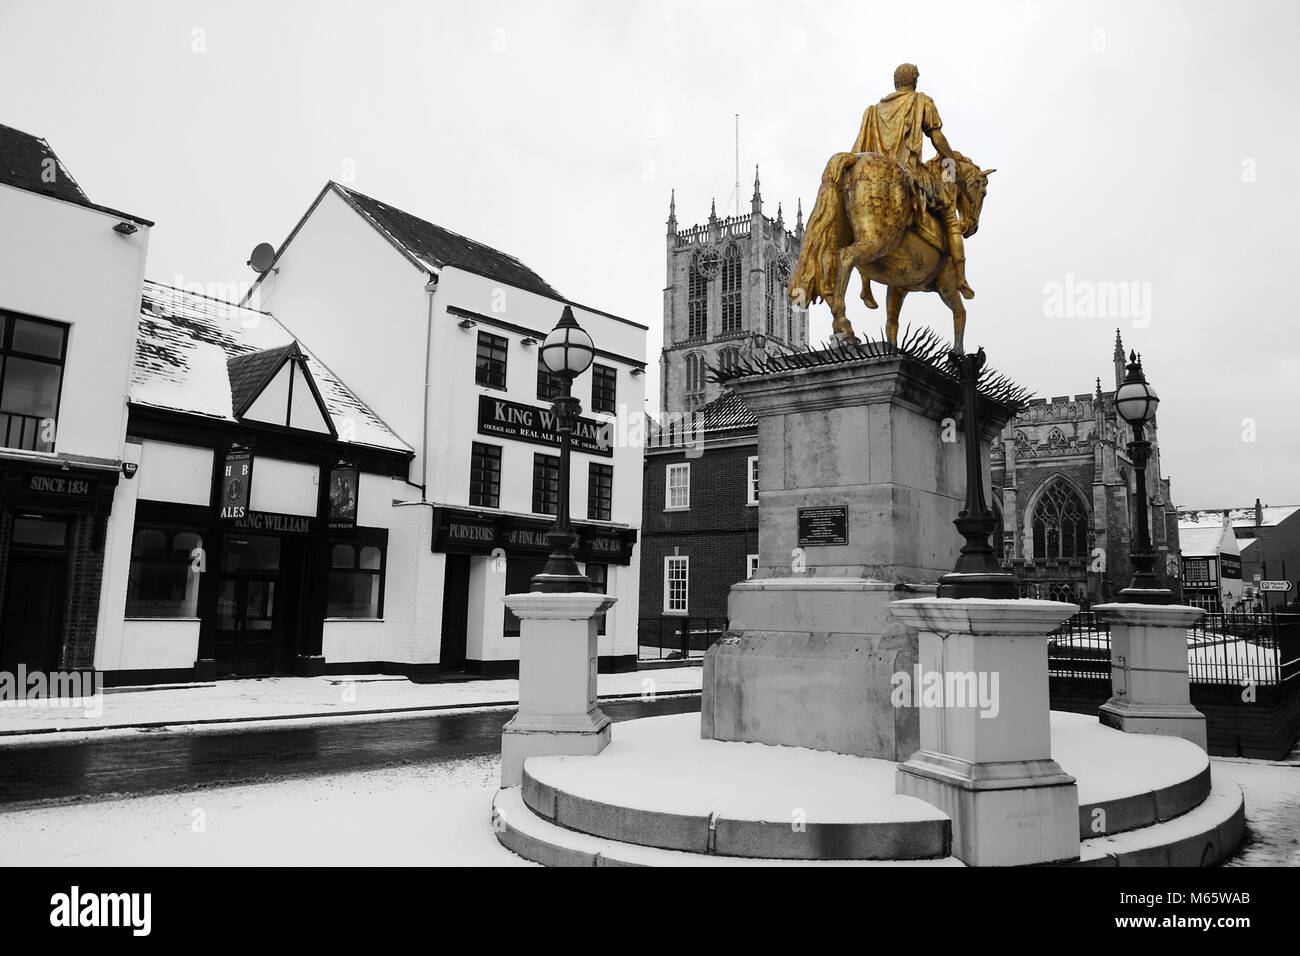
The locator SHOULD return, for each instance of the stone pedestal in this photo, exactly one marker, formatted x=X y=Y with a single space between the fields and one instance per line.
x=809 y=655
x=1148 y=671
x=986 y=757
x=557 y=680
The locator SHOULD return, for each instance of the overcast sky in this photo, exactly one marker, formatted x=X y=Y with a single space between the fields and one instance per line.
x=1151 y=144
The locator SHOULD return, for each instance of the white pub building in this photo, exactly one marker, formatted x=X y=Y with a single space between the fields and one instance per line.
x=439 y=335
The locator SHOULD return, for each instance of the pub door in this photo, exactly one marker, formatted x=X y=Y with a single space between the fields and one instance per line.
x=249 y=620
x=31 y=620
x=455 y=614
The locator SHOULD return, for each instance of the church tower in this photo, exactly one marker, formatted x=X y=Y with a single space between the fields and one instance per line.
x=725 y=297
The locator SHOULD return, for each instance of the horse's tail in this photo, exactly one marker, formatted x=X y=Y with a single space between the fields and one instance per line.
x=826 y=233
x=879 y=201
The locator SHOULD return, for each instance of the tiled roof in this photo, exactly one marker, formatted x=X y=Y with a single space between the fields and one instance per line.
x=727 y=412
x=436 y=247
x=199 y=355
x=1272 y=516
x=1197 y=541
x=28 y=162
x=249 y=372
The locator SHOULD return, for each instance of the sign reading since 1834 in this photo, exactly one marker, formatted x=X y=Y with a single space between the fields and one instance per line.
x=530 y=423
x=819 y=526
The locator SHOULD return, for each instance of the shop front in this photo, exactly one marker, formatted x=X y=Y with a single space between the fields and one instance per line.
x=491 y=554
x=51 y=562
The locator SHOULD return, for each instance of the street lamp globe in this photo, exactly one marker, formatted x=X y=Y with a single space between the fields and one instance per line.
x=1136 y=400
x=568 y=349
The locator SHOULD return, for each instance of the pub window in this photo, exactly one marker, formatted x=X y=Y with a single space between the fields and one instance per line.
x=600 y=491
x=32 y=353
x=546 y=484
x=604 y=388
x=731 y=312
x=485 y=476
x=549 y=385
x=1196 y=570
x=751 y=565
x=752 y=482
x=356 y=586
x=519 y=578
x=677 y=486
x=676 y=583
x=1060 y=523
x=598 y=574
x=166 y=565
x=491 y=368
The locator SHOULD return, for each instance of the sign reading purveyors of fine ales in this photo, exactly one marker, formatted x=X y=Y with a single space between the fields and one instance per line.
x=236 y=483
x=823 y=526
x=530 y=423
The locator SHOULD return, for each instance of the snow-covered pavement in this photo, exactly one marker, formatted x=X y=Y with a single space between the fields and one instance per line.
x=410 y=816
x=279 y=698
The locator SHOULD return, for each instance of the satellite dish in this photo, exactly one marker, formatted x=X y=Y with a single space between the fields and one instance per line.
x=262 y=257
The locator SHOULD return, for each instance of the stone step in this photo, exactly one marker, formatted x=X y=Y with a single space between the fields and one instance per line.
x=1204 y=836
x=525 y=833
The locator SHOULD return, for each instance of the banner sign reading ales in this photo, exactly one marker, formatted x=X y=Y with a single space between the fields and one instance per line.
x=236 y=483
x=530 y=423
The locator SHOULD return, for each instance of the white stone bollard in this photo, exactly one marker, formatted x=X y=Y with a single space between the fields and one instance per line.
x=557 y=680
x=986 y=750
x=1148 y=671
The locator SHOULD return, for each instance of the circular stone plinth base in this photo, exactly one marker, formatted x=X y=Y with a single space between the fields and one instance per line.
x=659 y=795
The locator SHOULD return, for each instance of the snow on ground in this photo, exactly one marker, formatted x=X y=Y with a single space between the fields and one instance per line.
x=1272 y=811
x=429 y=815
x=280 y=697
x=1110 y=764
x=660 y=763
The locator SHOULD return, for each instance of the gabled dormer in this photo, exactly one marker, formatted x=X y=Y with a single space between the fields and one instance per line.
x=275 y=387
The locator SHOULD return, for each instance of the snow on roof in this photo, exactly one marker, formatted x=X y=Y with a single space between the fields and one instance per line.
x=185 y=341
x=1238 y=517
x=1197 y=541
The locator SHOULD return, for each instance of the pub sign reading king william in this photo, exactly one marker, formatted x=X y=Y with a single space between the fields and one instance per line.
x=236 y=483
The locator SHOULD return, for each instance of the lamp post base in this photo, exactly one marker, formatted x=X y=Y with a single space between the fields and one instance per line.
x=994 y=585
x=1139 y=595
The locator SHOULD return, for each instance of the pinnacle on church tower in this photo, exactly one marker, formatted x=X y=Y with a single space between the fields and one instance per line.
x=780 y=217
x=798 y=222
x=1119 y=360
x=672 y=213
x=756 y=204
x=713 y=210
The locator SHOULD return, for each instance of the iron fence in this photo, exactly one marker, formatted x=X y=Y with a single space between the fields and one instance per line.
x=1223 y=648
x=675 y=637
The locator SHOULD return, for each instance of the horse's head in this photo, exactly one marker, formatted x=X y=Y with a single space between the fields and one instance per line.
x=970 y=201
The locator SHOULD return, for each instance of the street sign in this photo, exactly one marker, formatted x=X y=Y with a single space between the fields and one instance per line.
x=1275 y=585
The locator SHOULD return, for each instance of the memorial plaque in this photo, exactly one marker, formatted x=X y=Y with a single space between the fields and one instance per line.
x=819 y=526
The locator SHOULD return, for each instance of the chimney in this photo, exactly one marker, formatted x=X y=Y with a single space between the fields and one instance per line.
x=1259 y=513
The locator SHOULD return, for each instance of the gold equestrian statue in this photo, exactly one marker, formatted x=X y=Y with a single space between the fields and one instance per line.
x=894 y=218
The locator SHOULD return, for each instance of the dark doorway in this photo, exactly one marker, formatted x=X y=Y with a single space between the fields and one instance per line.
x=250 y=620
x=455 y=614
x=36 y=595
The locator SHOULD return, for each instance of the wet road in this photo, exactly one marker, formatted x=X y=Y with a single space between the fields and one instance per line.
x=163 y=760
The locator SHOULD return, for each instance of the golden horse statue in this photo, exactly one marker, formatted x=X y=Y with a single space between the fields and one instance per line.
x=870 y=216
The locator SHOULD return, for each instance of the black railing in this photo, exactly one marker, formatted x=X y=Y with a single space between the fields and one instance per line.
x=678 y=637
x=1222 y=648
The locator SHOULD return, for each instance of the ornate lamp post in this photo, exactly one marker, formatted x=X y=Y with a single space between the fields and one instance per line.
x=977 y=573
x=567 y=352
x=1136 y=403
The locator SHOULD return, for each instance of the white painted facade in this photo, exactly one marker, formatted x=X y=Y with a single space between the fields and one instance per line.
x=368 y=309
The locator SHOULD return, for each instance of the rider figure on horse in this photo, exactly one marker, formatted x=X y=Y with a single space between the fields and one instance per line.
x=896 y=127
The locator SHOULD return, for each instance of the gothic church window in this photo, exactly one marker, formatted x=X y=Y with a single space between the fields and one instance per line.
x=731 y=309
x=1060 y=523
x=697 y=300
x=694 y=372
x=728 y=358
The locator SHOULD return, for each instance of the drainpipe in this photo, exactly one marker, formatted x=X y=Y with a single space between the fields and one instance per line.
x=430 y=287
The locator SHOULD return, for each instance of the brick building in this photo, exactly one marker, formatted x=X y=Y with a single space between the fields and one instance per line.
x=1269 y=538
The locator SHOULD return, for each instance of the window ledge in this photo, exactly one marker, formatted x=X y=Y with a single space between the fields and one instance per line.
x=194 y=619
x=356 y=620
x=677 y=508
x=676 y=613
